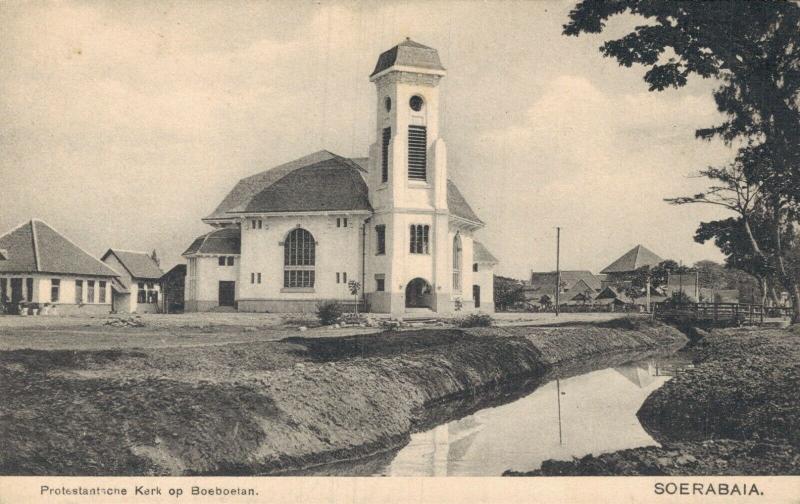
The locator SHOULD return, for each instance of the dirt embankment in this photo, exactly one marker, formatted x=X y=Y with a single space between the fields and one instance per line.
x=736 y=412
x=267 y=407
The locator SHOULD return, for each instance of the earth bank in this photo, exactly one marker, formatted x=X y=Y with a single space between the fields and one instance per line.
x=268 y=407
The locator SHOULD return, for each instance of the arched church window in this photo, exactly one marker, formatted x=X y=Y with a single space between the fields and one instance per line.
x=299 y=251
x=457 y=263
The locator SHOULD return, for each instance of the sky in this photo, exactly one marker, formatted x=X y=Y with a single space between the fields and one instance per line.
x=125 y=123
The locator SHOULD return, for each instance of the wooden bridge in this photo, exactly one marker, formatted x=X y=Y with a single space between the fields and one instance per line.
x=724 y=313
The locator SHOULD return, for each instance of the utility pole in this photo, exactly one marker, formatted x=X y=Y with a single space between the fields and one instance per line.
x=558 y=267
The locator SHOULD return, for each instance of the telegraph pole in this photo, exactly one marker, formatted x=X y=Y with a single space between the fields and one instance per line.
x=558 y=267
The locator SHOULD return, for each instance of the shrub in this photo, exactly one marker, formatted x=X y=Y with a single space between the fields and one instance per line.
x=328 y=312
x=475 y=320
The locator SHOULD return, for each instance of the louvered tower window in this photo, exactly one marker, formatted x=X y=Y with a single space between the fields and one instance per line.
x=387 y=136
x=417 y=152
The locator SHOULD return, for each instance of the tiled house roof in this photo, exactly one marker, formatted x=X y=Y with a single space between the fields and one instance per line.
x=408 y=54
x=569 y=279
x=138 y=264
x=35 y=247
x=321 y=181
x=632 y=260
x=221 y=241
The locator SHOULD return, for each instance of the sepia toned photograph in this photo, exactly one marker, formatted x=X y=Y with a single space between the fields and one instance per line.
x=439 y=238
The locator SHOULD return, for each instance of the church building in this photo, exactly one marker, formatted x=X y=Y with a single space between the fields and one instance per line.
x=300 y=233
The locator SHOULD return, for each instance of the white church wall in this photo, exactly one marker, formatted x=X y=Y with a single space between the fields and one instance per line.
x=338 y=250
x=203 y=281
x=484 y=279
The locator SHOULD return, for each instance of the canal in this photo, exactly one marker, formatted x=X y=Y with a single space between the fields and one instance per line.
x=571 y=413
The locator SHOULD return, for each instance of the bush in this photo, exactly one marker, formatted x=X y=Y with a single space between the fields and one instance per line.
x=328 y=312
x=475 y=320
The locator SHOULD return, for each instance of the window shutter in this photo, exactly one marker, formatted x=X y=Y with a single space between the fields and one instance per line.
x=417 y=152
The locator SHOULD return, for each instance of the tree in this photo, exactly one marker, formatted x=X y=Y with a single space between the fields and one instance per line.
x=753 y=50
x=734 y=241
x=712 y=275
x=658 y=276
x=154 y=257
x=507 y=292
x=354 y=287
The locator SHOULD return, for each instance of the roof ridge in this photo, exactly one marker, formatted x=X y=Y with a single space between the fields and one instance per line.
x=35 y=245
x=129 y=251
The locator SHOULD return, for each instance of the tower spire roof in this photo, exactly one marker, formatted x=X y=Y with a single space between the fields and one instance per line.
x=409 y=54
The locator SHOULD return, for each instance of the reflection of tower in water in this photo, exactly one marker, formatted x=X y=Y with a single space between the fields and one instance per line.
x=450 y=442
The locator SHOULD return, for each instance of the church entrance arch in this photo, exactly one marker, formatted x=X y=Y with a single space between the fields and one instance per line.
x=419 y=294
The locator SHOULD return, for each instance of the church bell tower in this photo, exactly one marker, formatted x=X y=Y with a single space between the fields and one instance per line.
x=411 y=160
x=408 y=181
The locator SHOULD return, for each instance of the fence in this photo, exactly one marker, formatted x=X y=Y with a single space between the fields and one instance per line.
x=732 y=313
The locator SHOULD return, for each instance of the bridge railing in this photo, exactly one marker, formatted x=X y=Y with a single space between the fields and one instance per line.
x=738 y=313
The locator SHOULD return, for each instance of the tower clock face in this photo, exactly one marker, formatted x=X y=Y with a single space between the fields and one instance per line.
x=387 y=102
x=415 y=103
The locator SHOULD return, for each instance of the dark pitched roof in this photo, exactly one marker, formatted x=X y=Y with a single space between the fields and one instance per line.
x=569 y=279
x=220 y=241
x=138 y=264
x=481 y=254
x=409 y=54
x=179 y=270
x=581 y=287
x=255 y=193
x=321 y=181
x=612 y=293
x=35 y=247
x=324 y=186
x=632 y=260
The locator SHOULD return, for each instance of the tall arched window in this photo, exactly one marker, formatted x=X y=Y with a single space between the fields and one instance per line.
x=457 y=263
x=298 y=259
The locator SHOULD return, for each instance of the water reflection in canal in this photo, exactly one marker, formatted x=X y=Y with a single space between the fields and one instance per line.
x=597 y=410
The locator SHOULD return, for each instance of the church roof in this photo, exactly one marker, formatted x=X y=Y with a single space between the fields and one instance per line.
x=220 y=241
x=138 y=264
x=321 y=181
x=350 y=194
x=481 y=254
x=458 y=205
x=632 y=260
x=408 y=54
x=35 y=247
